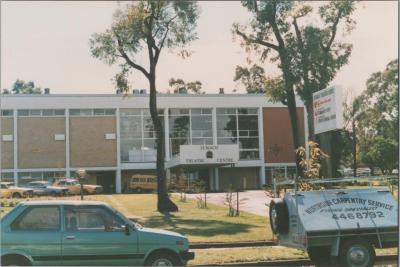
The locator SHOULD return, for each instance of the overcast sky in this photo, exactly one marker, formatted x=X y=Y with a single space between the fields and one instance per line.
x=47 y=42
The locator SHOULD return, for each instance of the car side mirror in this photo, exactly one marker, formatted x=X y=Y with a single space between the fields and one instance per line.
x=127 y=229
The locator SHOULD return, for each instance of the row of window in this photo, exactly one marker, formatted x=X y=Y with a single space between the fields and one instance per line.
x=57 y=112
x=126 y=112
x=26 y=177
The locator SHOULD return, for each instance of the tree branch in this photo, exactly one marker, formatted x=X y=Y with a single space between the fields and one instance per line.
x=127 y=59
x=334 y=29
x=257 y=41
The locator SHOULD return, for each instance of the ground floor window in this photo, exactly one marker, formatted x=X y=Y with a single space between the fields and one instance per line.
x=7 y=177
x=26 y=177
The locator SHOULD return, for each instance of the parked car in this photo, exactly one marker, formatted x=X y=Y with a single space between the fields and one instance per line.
x=72 y=233
x=139 y=183
x=74 y=186
x=43 y=188
x=8 y=190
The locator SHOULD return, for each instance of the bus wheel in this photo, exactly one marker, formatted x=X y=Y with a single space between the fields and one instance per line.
x=139 y=190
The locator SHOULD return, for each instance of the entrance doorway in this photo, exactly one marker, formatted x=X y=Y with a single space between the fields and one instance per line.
x=106 y=179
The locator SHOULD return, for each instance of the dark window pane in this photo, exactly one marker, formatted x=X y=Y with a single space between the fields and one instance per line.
x=7 y=112
x=109 y=112
x=98 y=112
x=48 y=112
x=59 y=112
x=249 y=155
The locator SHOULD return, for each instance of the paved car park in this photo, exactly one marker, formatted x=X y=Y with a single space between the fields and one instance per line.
x=253 y=201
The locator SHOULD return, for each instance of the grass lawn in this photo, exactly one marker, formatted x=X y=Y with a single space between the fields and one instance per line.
x=235 y=255
x=199 y=225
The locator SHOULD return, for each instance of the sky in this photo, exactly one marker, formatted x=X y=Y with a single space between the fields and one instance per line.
x=48 y=42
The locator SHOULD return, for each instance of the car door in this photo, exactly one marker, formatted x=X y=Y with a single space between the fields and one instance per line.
x=94 y=235
x=37 y=232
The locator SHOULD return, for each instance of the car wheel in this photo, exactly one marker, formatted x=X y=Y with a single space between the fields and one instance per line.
x=320 y=256
x=279 y=216
x=53 y=193
x=16 y=195
x=357 y=253
x=15 y=260
x=162 y=259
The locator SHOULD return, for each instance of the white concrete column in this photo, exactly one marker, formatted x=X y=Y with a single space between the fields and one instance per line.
x=216 y=178
x=15 y=133
x=118 y=171
x=166 y=134
x=67 y=145
x=261 y=145
x=262 y=176
x=118 y=181
x=214 y=125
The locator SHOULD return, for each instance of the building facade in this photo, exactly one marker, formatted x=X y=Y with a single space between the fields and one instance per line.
x=112 y=137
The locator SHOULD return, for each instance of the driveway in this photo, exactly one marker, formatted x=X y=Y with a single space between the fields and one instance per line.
x=253 y=201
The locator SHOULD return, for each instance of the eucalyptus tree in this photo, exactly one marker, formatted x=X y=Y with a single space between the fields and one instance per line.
x=148 y=27
x=23 y=87
x=307 y=55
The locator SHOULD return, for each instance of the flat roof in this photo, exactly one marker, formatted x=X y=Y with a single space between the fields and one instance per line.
x=87 y=101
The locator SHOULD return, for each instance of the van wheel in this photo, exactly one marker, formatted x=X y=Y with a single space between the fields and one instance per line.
x=320 y=256
x=16 y=195
x=279 y=216
x=357 y=253
x=162 y=259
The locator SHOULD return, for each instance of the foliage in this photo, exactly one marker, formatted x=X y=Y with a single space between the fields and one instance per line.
x=374 y=118
x=383 y=153
x=307 y=55
x=180 y=84
x=140 y=27
x=311 y=166
x=22 y=87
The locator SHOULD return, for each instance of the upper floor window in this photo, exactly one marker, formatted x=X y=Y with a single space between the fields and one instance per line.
x=92 y=112
x=7 y=113
x=40 y=112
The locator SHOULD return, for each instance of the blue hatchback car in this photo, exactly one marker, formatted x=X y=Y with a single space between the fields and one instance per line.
x=84 y=233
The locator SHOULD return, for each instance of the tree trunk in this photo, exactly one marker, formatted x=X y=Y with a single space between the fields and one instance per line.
x=291 y=101
x=353 y=125
x=164 y=204
x=310 y=121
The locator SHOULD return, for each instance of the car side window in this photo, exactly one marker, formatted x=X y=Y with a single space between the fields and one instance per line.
x=39 y=219
x=92 y=219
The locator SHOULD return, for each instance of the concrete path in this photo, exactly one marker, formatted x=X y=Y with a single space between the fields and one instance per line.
x=253 y=201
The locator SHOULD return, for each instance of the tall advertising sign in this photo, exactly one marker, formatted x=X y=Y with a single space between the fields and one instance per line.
x=328 y=109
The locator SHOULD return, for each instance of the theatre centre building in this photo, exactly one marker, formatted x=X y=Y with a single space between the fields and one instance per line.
x=238 y=140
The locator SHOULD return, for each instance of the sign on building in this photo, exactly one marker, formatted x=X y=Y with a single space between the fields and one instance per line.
x=328 y=111
x=209 y=154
